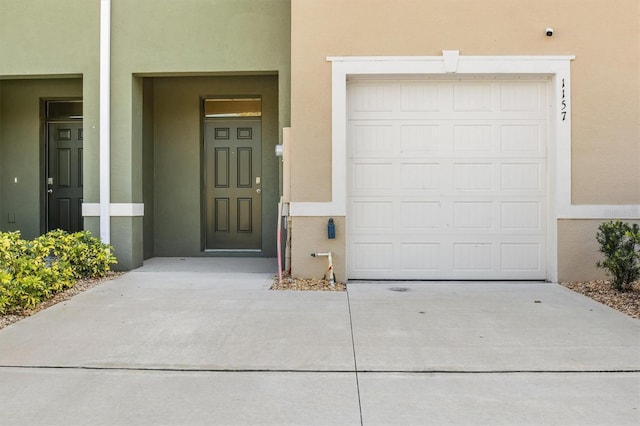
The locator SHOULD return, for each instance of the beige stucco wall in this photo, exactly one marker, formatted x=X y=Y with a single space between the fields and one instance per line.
x=309 y=235
x=605 y=85
x=579 y=236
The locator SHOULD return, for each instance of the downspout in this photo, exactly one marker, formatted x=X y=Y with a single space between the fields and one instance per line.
x=105 y=121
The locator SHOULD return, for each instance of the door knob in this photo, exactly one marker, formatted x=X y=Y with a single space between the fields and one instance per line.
x=50 y=191
x=258 y=190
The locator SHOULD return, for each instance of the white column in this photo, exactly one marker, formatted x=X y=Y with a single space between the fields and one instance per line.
x=105 y=121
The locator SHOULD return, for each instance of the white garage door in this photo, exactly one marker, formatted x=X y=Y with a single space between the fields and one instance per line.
x=447 y=179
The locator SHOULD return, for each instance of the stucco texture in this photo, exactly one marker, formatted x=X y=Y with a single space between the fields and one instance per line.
x=49 y=50
x=177 y=157
x=603 y=36
x=184 y=39
x=46 y=39
x=605 y=73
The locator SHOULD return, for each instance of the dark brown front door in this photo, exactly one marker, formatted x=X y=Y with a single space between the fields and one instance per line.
x=64 y=176
x=233 y=184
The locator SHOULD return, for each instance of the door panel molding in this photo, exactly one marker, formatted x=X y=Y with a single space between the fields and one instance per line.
x=232 y=164
x=63 y=182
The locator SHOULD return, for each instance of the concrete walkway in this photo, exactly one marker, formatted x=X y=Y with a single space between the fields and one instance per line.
x=203 y=341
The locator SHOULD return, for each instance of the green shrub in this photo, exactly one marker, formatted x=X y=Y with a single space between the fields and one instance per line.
x=11 y=249
x=32 y=271
x=620 y=245
x=87 y=256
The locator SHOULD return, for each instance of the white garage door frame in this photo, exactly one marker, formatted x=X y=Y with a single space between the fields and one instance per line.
x=557 y=68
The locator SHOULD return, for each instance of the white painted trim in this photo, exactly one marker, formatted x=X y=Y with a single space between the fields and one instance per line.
x=450 y=58
x=445 y=52
x=559 y=166
x=601 y=211
x=558 y=67
x=116 y=209
x=105 y=121
x=90 y=209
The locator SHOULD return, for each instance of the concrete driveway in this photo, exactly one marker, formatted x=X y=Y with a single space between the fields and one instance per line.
x=203 y=341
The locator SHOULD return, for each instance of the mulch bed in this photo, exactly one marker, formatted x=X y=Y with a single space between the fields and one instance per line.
x=602 y=291
x=306 y=284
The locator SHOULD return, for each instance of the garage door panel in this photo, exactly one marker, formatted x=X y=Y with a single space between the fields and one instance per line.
x=522 y=215
x=447 y=260
x=473 y=256
x=473 y=176
x=433 y=96
x=447 y=180
x=420 y=138
x=420 y=215
x=420 y=257
x=521 y=257
x=472 y=96
x=522 y=96
x=373 y=176
x=473 y=215
x=448 y=216
x=473 y=138
x=372 y=140
x=523 y=139
x=416 y=96
x=522 y=177
x=373 y=257
x=372 y=97
x=438 y=117
x=438 y=138
x=371 y=216
x=420 y=176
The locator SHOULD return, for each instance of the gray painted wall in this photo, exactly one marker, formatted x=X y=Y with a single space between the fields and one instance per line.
x=22 y=149
x=150 y=38
x=148 y=168
x=48 y=50
x=198 y=38
x=177 y=161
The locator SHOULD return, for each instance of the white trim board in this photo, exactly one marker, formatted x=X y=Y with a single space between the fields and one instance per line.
x=105 y=120
x=452 y=63
x=115 y=209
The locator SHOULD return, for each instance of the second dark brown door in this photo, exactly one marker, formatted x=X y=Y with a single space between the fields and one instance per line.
x=233 y=184
x=64 y=176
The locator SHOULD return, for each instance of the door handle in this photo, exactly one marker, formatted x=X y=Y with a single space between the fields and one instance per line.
x=50 y=191
x=258 y=190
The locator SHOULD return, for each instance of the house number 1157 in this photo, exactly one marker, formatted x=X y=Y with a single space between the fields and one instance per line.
x=563 y=103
